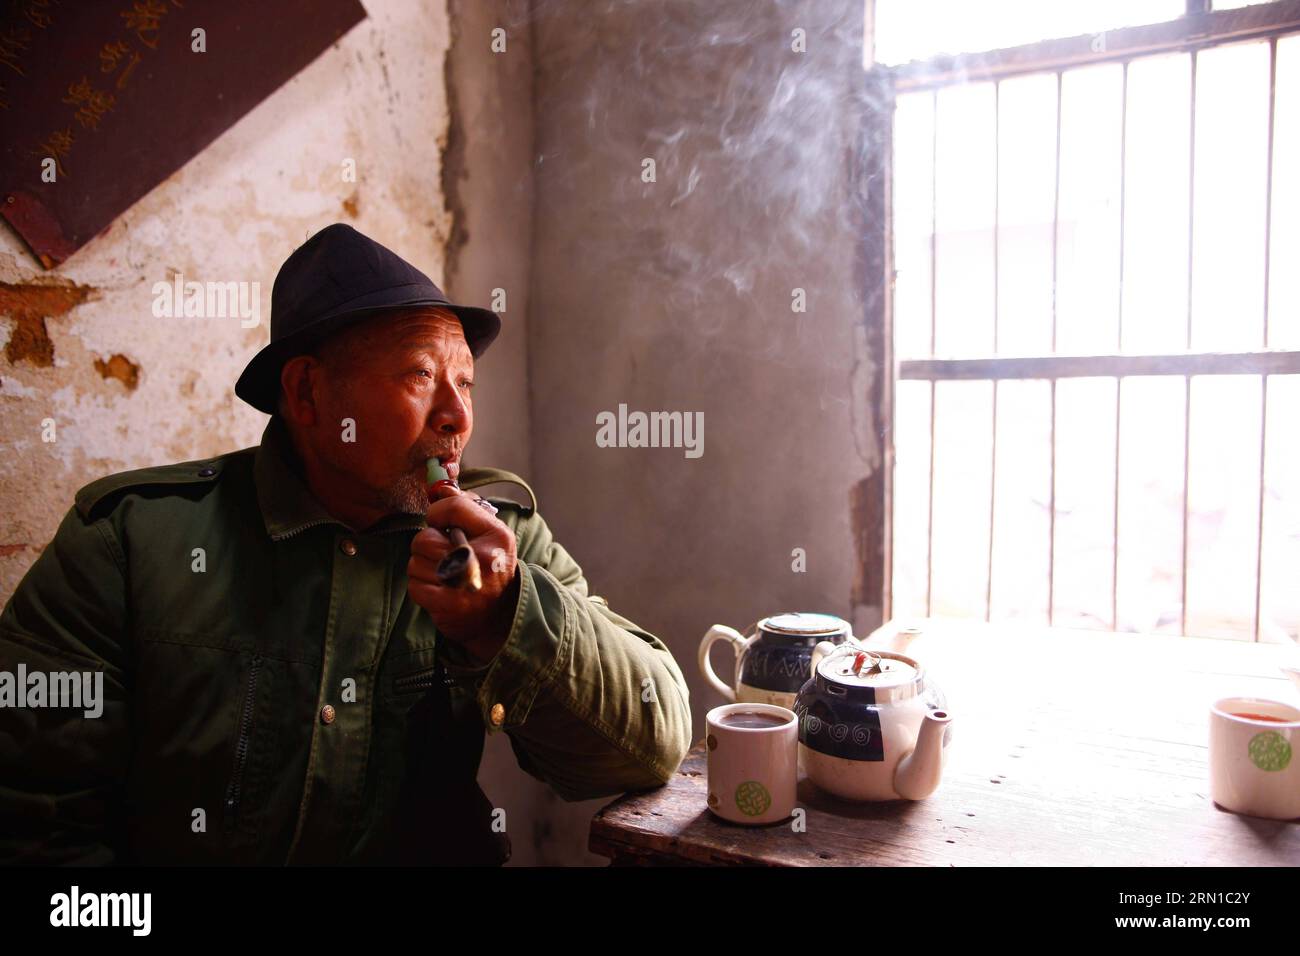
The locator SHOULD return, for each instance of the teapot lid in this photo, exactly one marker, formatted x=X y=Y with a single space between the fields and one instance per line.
x=854 y=666
x=801 y=624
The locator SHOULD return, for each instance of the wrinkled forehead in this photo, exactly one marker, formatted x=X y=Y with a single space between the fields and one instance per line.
x=425 y=331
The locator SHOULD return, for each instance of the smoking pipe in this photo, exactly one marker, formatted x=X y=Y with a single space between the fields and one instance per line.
x=460 y=567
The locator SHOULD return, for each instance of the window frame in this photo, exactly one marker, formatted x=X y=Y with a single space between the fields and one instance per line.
x=873 y=497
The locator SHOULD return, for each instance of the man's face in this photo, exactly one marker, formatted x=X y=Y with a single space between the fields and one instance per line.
x=406 y=383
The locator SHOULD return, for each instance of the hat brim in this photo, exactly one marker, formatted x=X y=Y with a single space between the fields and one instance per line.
x=259 y=383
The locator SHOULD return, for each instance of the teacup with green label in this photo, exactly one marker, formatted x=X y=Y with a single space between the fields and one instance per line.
x=1254 y=767
x=752 y=752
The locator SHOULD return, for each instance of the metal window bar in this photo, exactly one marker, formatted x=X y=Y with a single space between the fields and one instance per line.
x=1187 y=379
x=934 y=229
x=1056 y=227
x=1119 y=339
x=997 y=369
x=1194 y=31
x=1000 y=367
x=993 y=451
x=1263 y=382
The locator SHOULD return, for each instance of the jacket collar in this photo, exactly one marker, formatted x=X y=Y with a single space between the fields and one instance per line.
x=287 y=505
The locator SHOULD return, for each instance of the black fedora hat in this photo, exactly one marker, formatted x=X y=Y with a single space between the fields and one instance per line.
x=336 y=279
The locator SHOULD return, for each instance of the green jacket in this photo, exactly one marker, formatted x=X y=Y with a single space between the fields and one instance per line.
x=226 y=609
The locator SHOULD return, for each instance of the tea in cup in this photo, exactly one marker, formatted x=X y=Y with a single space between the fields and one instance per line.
x=1253 y=766
x=752 y=750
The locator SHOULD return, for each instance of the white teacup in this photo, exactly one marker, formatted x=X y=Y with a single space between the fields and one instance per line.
x=1254 y=767
x=752 y=769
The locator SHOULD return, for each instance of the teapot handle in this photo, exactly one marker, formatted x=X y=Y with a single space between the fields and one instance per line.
x=821 y=650
x=716 y=633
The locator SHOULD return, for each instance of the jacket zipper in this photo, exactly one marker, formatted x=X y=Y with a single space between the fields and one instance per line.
x=241 y=747
x=299 y=530
x=420 y=681
x=315 y=524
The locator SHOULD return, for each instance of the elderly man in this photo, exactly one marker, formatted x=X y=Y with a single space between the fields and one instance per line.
x=285 y=679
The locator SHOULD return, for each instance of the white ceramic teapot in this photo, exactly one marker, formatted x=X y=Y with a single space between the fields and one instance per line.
x=872 y=726
x=772 y=661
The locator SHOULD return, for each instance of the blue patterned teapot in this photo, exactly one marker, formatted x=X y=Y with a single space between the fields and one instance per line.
x=772 y=662
x=872 y=725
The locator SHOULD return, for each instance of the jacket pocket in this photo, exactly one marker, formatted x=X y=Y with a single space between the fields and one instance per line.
x=414 y=682
x=404 y=674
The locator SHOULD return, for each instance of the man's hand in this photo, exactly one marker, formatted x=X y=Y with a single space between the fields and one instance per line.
x=477 y=620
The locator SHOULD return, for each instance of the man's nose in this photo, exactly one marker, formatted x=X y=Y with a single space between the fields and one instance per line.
x=450 y=413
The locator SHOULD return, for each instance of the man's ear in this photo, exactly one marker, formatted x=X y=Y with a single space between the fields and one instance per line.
x=299 y=380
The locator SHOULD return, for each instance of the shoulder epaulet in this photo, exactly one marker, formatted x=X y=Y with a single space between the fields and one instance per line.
x=478 y=477
x=103 y=490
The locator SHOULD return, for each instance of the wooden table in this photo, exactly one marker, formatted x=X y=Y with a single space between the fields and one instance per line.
x=1069 y=749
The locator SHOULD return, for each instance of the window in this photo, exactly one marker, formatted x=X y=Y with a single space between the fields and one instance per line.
x=921 y=29
x=1096 y=317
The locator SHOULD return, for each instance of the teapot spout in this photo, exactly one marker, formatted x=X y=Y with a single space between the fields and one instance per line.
x=918 y=773
x=895 y=639
x=1293 y=671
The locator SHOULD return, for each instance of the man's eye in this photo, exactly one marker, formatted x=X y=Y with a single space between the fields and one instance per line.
x=428 y=374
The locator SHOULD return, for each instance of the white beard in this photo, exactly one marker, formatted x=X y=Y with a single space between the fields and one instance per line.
x=405 y=496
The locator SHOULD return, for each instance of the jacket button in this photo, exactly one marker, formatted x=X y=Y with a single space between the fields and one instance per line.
x=498 y=715
x=207 y=472
x=327 y=714
x=349 y=547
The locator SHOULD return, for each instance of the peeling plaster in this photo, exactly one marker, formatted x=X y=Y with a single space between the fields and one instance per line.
x=30 y=305
x=121 y=368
